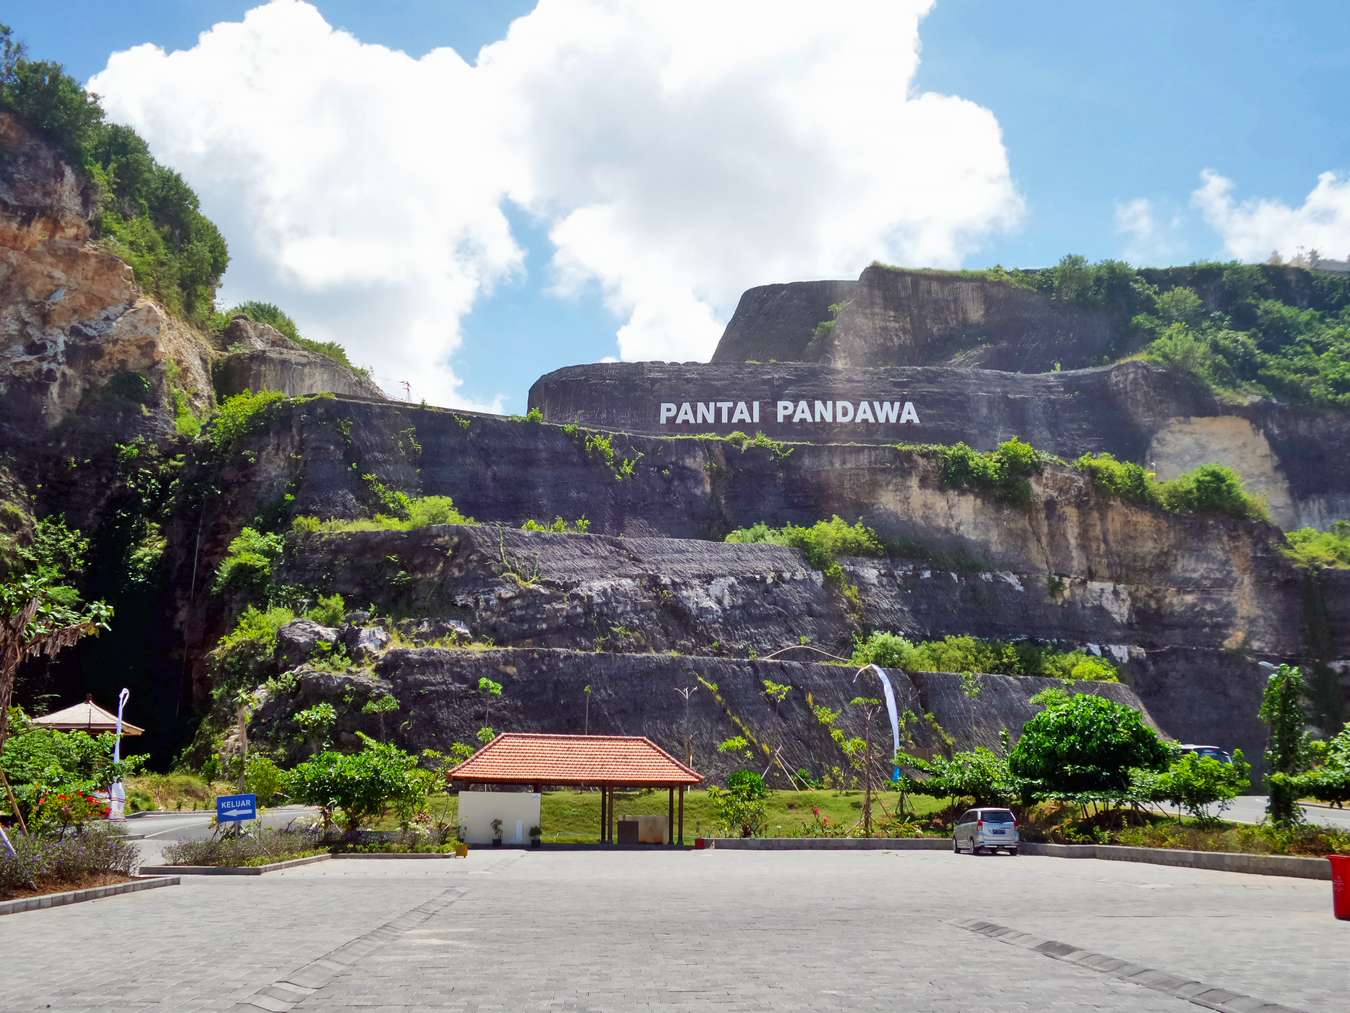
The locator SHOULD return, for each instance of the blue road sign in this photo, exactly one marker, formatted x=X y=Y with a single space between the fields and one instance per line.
x=236 y=808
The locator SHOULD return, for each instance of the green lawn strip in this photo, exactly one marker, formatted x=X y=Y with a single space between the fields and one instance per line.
x=573 y=817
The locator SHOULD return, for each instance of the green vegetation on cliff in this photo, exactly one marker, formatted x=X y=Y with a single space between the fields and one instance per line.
x=1208 y=489
x=973 y=654
x=823 y=543
x=1243 y=330
x=1326 y=550
x=146 y=213
x=413 y=512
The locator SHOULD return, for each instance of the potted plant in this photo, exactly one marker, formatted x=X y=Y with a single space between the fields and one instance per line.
x=461 y=842
x=497 y=833
x=536 y=835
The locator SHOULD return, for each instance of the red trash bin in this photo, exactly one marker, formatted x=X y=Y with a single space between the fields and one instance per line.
x=1340 y=886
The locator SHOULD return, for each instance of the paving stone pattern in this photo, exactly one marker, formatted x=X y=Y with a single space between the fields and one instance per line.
x=661 y=930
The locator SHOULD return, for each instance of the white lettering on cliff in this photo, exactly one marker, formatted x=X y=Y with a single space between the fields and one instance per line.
x=709 y=413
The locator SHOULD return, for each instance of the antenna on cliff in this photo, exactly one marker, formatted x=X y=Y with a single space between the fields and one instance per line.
x=407 y=389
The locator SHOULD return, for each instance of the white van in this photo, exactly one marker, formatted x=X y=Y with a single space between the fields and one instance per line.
x=991 y=828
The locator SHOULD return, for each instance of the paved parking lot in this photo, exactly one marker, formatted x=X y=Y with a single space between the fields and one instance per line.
x=511 y=930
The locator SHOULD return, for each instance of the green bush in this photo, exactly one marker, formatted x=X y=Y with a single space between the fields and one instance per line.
x=1209 y=488
x=361 y=787
x=823 y=543
x=559 y=526
x=237 y=415
x=419 y=512
x=256 y=845
x=979 y=774
x=743 y=804
x=961 y=653
x=242 y=653
x=1329 y=780
x=1328 y=550
x=265 y=779
x=1120 y=478
x=38 y=761
x=1004 y=473
x=247 y=566
x=331 y=610
x=1197 y=784
x=1212 y=488
x=1088 y=744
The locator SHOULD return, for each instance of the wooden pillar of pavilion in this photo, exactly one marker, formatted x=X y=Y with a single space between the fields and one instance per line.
x=611 y=815
x=604 y=820
x=670 y=815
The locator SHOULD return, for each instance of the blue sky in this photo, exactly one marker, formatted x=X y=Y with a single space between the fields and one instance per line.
x=1098 y=105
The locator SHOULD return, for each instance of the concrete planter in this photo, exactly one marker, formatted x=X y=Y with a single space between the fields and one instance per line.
x=231 y=870
x=48 y=900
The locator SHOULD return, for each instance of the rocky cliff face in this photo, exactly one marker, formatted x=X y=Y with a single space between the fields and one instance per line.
x=259 y=357
x=894 y=317
x=1136 y=410
x=84 y=357
x=1187 y=605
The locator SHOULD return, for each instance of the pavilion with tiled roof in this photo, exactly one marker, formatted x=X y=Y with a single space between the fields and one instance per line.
x=606 y=762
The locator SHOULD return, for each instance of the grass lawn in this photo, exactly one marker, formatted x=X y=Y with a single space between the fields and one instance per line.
x=571 y=817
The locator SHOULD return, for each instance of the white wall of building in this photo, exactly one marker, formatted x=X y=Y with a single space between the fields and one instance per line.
x=518 y=811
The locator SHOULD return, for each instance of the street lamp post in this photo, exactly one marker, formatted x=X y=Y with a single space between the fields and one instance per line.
x=117 y=794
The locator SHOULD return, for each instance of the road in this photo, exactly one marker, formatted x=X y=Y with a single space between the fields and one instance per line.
x=597 y=931
x=1252 y=809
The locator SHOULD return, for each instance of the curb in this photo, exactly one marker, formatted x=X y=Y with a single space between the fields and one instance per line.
x=259 y=870
x=830 y=843
x=11 y=907
x=1295 y=866
x=231 y=870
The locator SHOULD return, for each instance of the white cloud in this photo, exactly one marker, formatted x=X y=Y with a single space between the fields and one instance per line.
x=678 y=153
x=1252 y=228
x=358 y=188
x=1151 y=237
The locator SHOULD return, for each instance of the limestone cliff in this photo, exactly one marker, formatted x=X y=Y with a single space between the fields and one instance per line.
x=1138 y=411
x=259 y=357
x=895 y=317
x=1187 y=605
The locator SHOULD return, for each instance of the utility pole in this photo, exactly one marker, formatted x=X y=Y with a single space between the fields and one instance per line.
x=586 y=725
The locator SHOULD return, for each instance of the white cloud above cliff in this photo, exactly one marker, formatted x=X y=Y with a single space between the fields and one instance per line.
x=1152 y=235
x=676 y=153
x=1251 y=229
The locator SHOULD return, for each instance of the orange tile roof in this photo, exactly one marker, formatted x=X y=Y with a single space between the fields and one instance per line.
x=529 y=758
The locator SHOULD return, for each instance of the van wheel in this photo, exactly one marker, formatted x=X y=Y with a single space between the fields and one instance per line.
x=975 y=849
x=956 y=850
x=1013 y=852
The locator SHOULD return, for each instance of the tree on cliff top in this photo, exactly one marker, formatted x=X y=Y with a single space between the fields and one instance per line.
x=146 y=213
